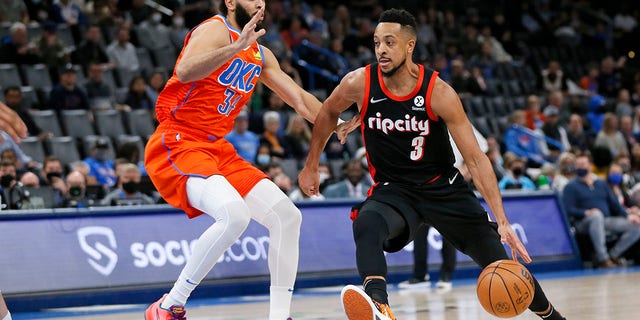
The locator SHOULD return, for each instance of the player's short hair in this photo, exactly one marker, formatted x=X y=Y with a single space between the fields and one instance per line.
x=401 y=16
x=222 y=7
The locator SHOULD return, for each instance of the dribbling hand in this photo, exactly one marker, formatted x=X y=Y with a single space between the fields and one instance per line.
x=507 y=235
x=249 y=32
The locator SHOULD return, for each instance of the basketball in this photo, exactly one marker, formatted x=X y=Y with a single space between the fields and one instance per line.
x=505 y=288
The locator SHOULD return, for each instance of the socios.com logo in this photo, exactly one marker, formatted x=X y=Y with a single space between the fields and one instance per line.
x=98 y=243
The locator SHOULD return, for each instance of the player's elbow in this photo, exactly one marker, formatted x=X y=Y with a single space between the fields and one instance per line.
x=184 y=73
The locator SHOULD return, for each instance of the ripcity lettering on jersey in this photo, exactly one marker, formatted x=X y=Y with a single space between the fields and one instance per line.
x=408 y=124
x=240 y=74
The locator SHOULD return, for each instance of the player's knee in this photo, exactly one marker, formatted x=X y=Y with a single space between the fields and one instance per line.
x=368 y=224
x=285 y=215
x=237 y=215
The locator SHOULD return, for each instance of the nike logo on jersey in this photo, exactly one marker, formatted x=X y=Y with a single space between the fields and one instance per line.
x=451 y=180
x=376 y=100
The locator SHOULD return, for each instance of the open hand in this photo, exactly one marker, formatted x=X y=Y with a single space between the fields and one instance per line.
x=249 y=34
x=511 y=238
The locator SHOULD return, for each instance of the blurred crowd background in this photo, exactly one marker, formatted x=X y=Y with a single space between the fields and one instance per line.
x=542 y=81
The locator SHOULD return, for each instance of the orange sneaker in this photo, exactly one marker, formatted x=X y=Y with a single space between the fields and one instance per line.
x=155 y=312
x=359 y=306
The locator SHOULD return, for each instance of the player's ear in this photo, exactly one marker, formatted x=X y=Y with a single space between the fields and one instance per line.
x=411 y=44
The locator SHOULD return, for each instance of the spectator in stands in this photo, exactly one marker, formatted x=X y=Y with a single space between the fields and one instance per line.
x=271 y=136
x=13 y=99
x=76 y=197
x=468 y=43
x=523 y=141
x=477 y=84
x=100 y=94
x=459 y=78
x=353 y=184
x=243 y=140
x=553 y=79
x=609 y=137
x=589 y=82
x=101 y=168
x=515 y=177
x=552 y=129
x=298 y=136
x=13 y=11
x=594 y=210
x=556 y=99
x=635 y=97
x=67 y=95
x=138 y=11
x=128 y=189
x=152 y=34
x=20 y=159
x=484 y=59
x=13 y=196
x=626 y=129
x=535 y=116
x=17 y=49
x=610 y=78
x=499 y=53
x=50 y=48
x=91 y=49
x=155 y=84
x=495 y=156
x=578 y=138
x=11 y=155
x=69 y=13
x=340 y=25
x=317 y=23
x=137 y=97
x=121 y=52
x=196 y=11
x=34 y=194
x=131 y=153
x=263 y=156
x=566 y=171
x=283 y=182
x=325 y=176
x=357 y=45
x=178 y=30
x=623 y=103
x=294 y=31
x=615 y=178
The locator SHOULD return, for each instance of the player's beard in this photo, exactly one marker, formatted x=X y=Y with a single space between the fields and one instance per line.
x=243 y=17
x=391 y=72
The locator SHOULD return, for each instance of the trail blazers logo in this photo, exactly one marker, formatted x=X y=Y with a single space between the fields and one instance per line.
x=102 y=256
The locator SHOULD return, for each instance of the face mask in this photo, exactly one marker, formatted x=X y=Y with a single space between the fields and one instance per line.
x=517 y=171
x=582 y=172
x=130 y=187
x=625 y=167
x=156 y=17
x=6 y=179
x=323 y=177
x=263 y=159
x=75 y=191
x=615 y=178
x=178 y=22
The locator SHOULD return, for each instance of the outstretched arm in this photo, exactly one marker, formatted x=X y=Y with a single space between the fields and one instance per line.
x=349 y=91
x=446 y=104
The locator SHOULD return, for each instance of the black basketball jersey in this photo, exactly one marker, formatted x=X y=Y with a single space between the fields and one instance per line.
x=405 y=141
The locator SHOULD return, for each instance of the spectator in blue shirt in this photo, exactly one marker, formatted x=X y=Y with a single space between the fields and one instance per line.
x=594 y=210
x=515 y=177
x=100 y=167
x=523 y=141
x=243 y=140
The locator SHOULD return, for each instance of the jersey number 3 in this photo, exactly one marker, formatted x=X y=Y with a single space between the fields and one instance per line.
x=230 y=101
x=418 y=148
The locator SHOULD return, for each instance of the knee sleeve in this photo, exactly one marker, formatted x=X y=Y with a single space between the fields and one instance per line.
x=369 y=232
x=273 y=209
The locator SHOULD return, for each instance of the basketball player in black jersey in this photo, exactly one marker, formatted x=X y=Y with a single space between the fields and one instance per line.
x=405 y=111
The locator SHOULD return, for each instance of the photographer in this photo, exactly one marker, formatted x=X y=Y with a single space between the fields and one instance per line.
x=14 y=197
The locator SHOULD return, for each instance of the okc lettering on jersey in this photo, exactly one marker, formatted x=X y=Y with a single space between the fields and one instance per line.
x=408 y=124
x=240 y=74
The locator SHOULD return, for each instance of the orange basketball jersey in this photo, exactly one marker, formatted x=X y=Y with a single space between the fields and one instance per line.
x=211 y=104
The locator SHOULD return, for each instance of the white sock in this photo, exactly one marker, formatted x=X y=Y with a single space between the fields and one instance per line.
x=179 y=293
x=7 y=317
x=280 y=303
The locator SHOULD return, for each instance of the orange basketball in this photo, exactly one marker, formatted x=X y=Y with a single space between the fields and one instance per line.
x=505 y=288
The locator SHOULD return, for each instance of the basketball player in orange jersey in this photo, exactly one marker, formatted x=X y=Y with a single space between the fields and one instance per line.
x=10 y=123
x=195 y=169
x=405 y=111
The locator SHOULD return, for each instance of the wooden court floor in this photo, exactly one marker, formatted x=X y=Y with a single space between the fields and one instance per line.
x=584 y=295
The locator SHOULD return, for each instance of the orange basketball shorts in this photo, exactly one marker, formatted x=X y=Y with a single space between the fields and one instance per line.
x=174 y=153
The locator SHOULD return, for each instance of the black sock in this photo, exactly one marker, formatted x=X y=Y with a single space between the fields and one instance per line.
x=551 y=314
x=377 y=290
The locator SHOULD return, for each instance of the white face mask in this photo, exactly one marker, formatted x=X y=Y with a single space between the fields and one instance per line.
x=323 y=177
x=156 y=17
x=178 y=22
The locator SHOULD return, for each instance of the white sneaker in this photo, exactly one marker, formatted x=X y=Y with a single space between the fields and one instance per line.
x=415 y=283
x=444 y=285
x=359 y=306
